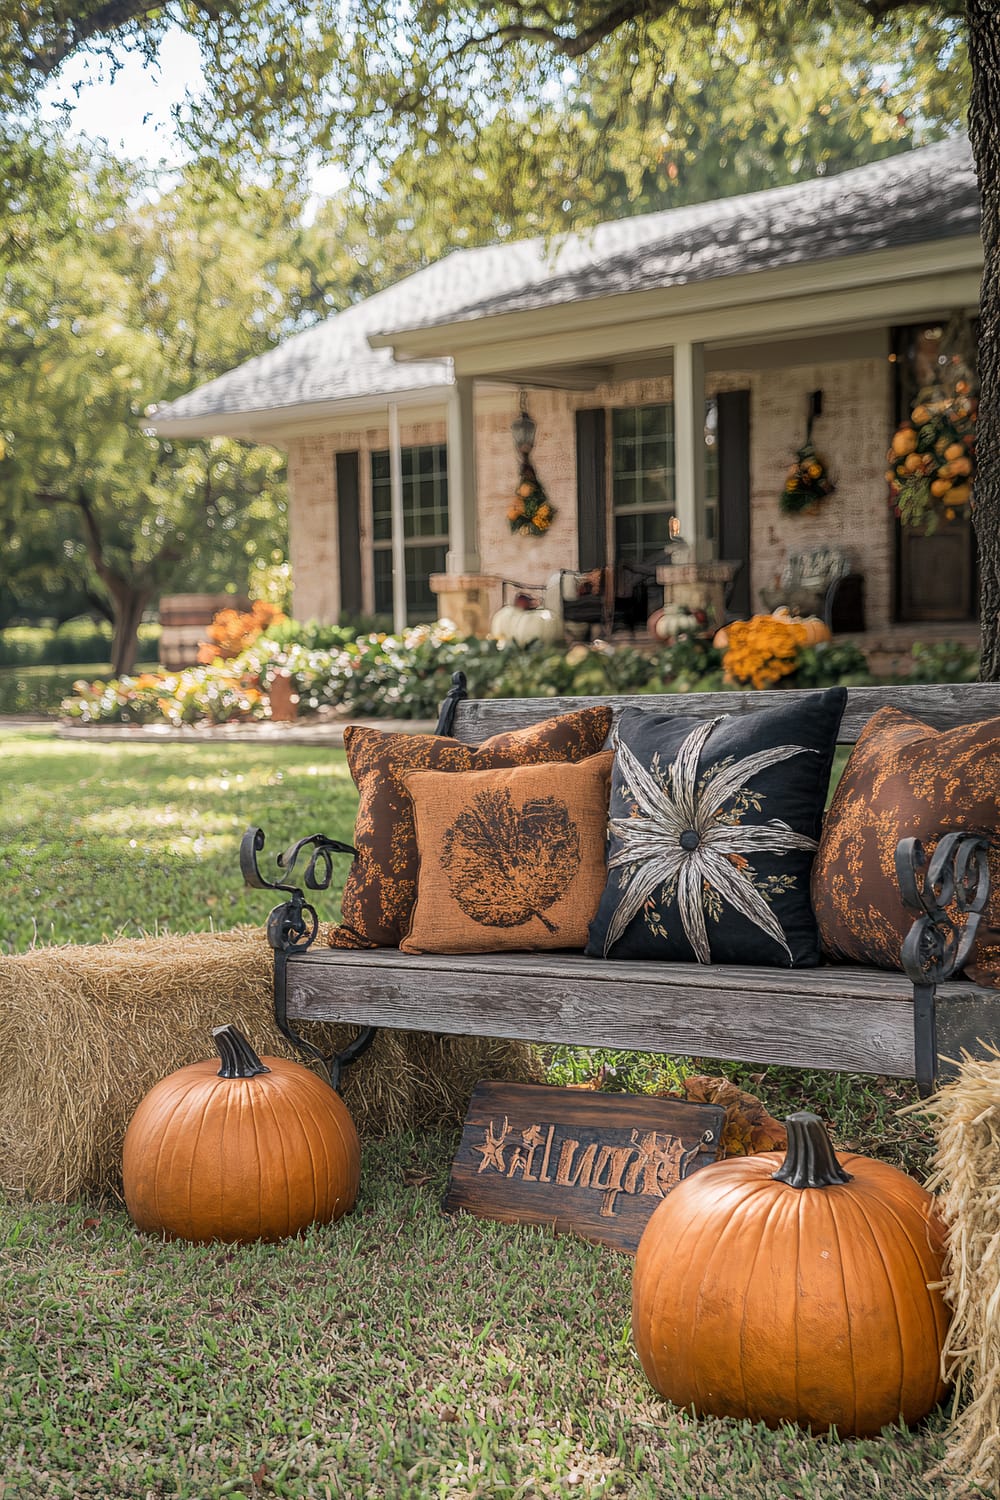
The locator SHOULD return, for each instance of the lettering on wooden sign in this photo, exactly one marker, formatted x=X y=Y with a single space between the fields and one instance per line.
x=597 y=1164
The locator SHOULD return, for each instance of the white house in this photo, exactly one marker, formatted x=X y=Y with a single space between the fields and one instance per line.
x=634 y=342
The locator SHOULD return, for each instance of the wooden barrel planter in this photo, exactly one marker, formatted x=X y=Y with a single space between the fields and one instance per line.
x=185 y=619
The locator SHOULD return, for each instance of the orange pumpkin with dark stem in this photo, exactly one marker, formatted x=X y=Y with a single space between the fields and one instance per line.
x=794 y=1291
x=254 y=1150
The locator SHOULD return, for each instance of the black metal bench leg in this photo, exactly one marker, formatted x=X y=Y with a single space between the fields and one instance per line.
x=924 y=1039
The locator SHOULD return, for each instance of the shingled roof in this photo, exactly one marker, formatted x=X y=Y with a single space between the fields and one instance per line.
x=907 y=199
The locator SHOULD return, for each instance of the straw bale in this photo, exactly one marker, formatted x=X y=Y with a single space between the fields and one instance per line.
x=966 y=1114
x=85 y=1032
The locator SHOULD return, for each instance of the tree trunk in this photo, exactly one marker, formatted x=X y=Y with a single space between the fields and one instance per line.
x=984 y=130
x=129 y=604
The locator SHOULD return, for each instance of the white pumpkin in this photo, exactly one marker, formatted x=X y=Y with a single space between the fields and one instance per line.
x=502 y=623
x=525 y=625
x=671 y=621
x=540 y=625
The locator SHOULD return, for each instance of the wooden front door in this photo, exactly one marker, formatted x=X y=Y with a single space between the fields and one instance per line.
x=936 y=576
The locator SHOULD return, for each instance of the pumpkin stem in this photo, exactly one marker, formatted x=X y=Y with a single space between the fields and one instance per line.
x=811 y=1160
x=239 y=1060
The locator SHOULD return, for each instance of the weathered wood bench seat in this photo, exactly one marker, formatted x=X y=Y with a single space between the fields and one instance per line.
x=837 y=1017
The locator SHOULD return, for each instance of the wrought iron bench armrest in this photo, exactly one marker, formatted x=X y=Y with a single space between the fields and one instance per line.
x=292 y=928
x=947 y=891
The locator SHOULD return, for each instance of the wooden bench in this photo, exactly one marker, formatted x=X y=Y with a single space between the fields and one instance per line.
x=837 y=1017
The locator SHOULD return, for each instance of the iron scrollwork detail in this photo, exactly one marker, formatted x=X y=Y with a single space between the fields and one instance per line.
x=947 y=892
x=292 y=927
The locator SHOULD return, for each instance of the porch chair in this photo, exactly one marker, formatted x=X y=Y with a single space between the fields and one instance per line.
x=820 y=581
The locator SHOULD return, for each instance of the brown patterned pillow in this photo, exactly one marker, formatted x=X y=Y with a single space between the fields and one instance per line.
x=904 y=780
x=381 y=886
x=510 y=859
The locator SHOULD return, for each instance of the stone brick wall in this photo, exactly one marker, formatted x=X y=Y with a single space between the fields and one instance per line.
x=312 y=498
x=852 y=436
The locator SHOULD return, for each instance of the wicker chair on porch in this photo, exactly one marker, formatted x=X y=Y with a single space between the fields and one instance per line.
x=820 y=581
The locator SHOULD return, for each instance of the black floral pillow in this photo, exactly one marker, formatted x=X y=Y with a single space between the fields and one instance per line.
x=714 y=824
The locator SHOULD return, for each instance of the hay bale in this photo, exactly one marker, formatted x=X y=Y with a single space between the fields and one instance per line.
x=967 y=1173
x=85 y=1032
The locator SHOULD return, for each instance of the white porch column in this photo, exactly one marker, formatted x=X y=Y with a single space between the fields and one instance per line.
x=396 y=506
x=464 y=595
x=463 y=517
x=689 y=447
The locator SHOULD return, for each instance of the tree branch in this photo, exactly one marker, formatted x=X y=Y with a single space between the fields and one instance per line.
x=576 y=43
x=101 y=22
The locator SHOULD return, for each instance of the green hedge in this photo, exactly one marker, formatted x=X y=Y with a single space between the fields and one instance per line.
x=76 y=642
x=41 y=690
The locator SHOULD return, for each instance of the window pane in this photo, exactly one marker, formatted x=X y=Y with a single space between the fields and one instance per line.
x=421 y=562
x=424 y=473
x=624 y=422
x=383 y=581
x=640 y=536
x=712 y=469
x=642 y=479
x=652 y=420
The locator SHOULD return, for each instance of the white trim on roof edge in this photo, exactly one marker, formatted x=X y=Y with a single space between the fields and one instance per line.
x=267 y=423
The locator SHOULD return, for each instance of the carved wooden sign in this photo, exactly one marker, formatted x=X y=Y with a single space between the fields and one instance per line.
x=592 y=1164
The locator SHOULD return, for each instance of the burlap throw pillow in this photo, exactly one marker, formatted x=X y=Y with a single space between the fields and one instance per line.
x=381 y=884
x=904 y=780
x=509 y=859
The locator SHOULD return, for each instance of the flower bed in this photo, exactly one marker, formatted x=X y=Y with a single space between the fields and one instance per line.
x=406 y=676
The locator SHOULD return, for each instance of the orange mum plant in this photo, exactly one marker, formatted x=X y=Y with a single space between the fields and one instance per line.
x=761 y=651
x=231 y=631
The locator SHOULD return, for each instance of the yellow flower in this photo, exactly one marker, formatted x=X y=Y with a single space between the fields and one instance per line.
x=524 y=491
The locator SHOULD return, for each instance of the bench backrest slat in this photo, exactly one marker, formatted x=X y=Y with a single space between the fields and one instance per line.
x=940 y=704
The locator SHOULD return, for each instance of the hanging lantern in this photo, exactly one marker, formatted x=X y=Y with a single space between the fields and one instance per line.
x=523 y=429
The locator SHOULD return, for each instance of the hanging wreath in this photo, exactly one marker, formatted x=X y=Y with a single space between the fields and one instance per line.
x=932 y=461
x=807 y=481
x=531 y=514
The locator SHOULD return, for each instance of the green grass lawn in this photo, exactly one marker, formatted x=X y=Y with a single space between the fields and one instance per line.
x=102 y=839
x=398 y=1353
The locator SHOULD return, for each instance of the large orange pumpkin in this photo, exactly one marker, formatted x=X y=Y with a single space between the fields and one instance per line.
x=794 y=1291
x=254 y=1150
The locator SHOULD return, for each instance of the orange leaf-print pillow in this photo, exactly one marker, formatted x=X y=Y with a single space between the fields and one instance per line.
x=509 y=859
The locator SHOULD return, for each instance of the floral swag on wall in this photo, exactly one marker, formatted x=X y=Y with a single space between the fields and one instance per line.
x=807 y=482
x=530 y=513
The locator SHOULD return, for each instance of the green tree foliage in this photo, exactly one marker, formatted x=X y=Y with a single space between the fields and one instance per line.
x=143 y=298
x=463 y=123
